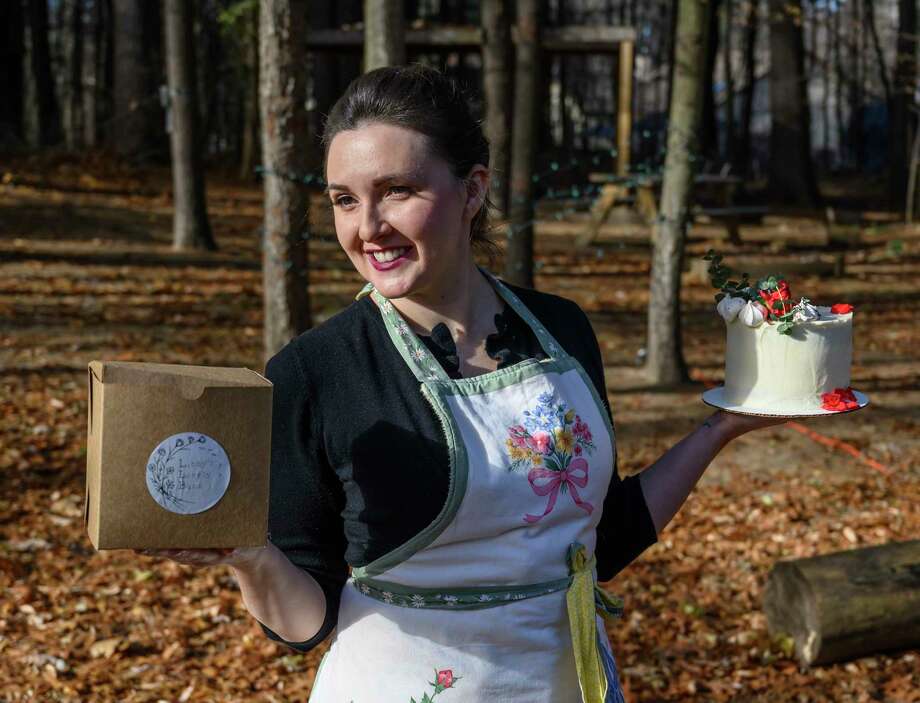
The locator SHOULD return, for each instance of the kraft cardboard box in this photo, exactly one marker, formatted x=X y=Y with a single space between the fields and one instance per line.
x=177 y=456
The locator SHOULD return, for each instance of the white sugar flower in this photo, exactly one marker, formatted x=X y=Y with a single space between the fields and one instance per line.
x=751 y=314
x=804 y=311
x=729 y=307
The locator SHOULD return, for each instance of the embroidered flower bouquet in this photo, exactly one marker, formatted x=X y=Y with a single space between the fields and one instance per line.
x=782 y=358
x=551 y=444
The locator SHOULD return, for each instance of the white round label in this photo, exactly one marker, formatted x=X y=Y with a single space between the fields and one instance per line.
x=188 y=473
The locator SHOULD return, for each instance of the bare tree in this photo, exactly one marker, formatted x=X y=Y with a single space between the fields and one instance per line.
x=519 y=252
x=727 y=19
x=282 y=87
x=384 y=34
x=46 y=106
x=12 y=56
x=903 y=123
x=877 y=48
x=191 y=229
x=791 y=173
x=134 y=98
x=91 y=65
x=496 y=82
x=742 y=155
x=250 y=147
x=665 y=362
x=709 y=134
x=71 y=32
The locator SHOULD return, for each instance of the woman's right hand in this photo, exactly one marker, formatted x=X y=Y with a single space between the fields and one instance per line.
x=241 y=557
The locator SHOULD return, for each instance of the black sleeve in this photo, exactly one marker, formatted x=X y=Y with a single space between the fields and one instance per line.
x=306 y=498
x=626 y=528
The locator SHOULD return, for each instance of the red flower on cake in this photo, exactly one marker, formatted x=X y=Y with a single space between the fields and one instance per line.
x=840 y=399
x=841 y=308
x=777 y=300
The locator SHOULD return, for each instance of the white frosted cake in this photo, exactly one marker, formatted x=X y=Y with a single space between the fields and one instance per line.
x=788 y=373
x=781 y=357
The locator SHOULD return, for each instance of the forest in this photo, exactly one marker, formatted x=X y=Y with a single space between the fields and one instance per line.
x=162 y=199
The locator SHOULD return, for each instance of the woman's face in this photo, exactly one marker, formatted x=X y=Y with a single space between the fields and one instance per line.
x=401 y=215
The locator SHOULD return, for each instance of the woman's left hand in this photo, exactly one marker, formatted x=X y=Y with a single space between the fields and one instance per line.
x=734 y=425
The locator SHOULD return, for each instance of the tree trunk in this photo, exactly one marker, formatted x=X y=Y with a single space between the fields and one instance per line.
x=282 y=88
x=250 y=148
x=92 y=28
x=384 y=34
x=790 y=169
x=903 y=123
x=665 y=363
x=727 y=21
x=12 y=58
x=856 y=141
x=826 y=91
x=106 y=73
x=71 y=32
x=46 y=107
x=742 y=156
x=132 y=96
x=497 y=86
x=191 y=229
x=877 y=47
x=848 y=604
x=709 y=143
x=519 y=251
x=839 y=82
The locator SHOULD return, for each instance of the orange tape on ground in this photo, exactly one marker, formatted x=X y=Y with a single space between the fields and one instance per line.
x=839 y=444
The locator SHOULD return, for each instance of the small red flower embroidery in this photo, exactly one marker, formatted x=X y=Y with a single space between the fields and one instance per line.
x=841 y=308
x=445 y=678
x=840 y=399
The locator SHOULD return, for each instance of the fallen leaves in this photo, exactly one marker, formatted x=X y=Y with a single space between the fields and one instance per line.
x=76 y=625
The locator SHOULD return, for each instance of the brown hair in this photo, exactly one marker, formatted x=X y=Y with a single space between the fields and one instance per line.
x=422 y=99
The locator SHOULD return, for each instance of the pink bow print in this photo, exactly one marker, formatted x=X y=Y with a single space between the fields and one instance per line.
x=546 y=481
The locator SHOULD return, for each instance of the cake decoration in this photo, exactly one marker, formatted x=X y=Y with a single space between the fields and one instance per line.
x=782 y=357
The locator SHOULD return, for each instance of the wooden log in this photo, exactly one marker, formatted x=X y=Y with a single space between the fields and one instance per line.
x=849 y=604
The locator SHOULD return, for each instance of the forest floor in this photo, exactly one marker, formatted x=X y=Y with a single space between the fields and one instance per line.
x=86 y=273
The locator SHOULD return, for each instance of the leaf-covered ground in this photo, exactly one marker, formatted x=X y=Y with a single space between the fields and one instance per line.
x=76 y=625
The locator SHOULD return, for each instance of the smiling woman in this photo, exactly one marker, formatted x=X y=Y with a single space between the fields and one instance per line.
x=447 y=438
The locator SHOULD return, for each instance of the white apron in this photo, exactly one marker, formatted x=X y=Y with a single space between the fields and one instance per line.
x=495 y=600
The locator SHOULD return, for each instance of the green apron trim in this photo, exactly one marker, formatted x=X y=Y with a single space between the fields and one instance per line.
x=456 y=489
x=472 y=598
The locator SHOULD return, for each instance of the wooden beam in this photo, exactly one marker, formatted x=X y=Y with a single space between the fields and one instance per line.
x=595 y=39
x=624 y=107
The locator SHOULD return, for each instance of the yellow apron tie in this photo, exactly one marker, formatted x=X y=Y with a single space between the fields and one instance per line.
x=583 y=600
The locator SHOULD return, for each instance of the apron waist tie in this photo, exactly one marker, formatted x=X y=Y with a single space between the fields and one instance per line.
x=584 y=598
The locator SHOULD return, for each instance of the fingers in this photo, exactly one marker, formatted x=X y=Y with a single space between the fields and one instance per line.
x=190 y=557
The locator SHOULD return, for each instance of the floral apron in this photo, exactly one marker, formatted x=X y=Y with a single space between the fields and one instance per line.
x=496 y=600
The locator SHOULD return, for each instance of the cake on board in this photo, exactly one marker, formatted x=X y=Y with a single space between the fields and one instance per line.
x=782 y=358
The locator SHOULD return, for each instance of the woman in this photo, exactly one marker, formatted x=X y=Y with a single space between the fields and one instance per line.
x=447 y=437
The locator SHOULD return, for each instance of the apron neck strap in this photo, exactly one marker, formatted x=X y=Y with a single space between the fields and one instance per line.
x=416 y=354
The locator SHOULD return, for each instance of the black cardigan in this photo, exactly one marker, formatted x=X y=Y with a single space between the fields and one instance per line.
x=359 y=463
